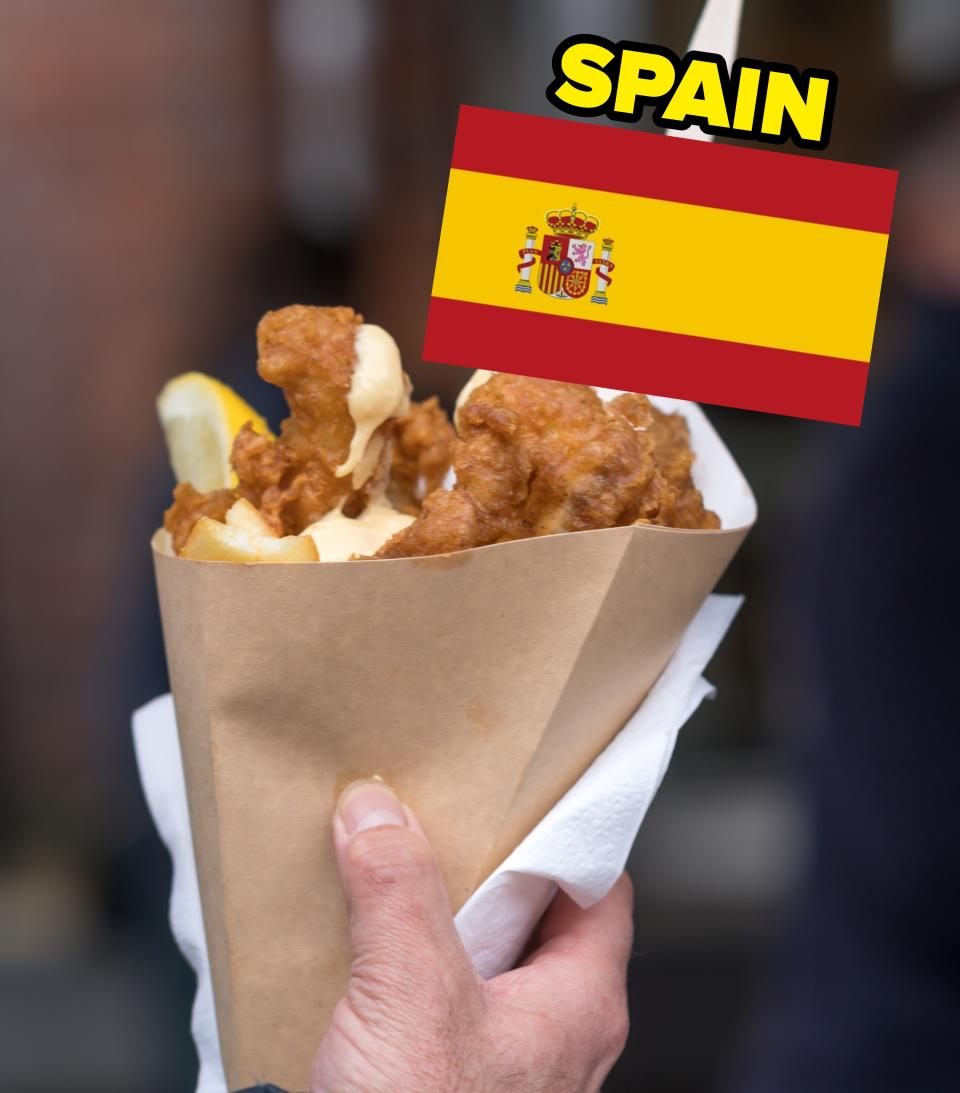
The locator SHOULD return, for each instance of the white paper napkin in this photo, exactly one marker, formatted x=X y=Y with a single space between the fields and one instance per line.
x=581 y=845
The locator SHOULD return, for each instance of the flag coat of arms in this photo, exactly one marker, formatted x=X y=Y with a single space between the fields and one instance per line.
x=566 y=261
x=726 y=274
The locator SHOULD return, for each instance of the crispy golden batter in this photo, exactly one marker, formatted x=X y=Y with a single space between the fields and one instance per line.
x=310 y=353
x=421 y=455
x=535 y=457
x=681 y=503
x=683 y=506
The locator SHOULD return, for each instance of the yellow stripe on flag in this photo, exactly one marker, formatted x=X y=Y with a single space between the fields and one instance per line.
x=684 y=269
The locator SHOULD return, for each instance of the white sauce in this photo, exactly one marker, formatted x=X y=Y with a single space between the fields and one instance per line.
x=368 y=461
x=377 y=391
x=337 y=537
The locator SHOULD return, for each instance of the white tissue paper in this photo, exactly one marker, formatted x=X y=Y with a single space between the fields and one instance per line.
x=581 y=845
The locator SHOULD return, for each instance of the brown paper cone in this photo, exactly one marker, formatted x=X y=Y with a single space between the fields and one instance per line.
x=480 y=685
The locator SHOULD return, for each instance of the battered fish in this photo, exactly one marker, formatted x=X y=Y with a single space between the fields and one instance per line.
x=533 y=457
x=536 y=457
x=422 y=443
x=681 y=503
x=311 y=352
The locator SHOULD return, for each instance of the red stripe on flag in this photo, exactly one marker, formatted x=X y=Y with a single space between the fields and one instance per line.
x=573 y=154
x=776 y=381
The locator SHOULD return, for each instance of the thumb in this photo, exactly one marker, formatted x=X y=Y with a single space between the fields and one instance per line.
x=401 y=925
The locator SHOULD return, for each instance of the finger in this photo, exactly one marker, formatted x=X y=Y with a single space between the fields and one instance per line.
x=601 y=935
x=401 y=925
x=578 y=974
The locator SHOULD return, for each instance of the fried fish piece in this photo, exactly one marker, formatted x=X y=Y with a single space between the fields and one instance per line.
x=334 y=449
x=309 y=352
x=683 y=507
x=681 y=503
x=535 y=457
x=422 y=443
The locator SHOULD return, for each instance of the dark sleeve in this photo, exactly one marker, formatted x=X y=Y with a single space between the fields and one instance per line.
x=867 y=997
x=263 y=1089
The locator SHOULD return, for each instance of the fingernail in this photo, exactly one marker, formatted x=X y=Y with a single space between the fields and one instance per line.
x=369 y=804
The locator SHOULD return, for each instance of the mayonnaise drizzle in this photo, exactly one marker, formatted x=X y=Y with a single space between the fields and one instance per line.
x=378 y=390
x=368 y=461
x=338 y=538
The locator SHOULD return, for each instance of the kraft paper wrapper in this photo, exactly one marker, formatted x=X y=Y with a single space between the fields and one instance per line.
x=479 y=684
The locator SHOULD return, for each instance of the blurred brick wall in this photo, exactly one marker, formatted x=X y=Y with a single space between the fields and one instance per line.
x=133 y=190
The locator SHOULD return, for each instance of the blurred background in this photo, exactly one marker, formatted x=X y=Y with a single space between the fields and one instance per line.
x=170 y=171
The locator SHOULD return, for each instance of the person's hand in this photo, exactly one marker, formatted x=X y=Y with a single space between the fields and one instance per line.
x=417 y=1018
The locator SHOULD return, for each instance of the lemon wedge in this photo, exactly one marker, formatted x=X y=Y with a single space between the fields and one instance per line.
x=200 y=417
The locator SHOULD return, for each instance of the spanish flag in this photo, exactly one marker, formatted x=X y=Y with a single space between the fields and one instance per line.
x=718 y=273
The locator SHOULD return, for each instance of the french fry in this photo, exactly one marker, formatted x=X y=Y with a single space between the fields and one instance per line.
x=211 y=541
x=242 y=514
